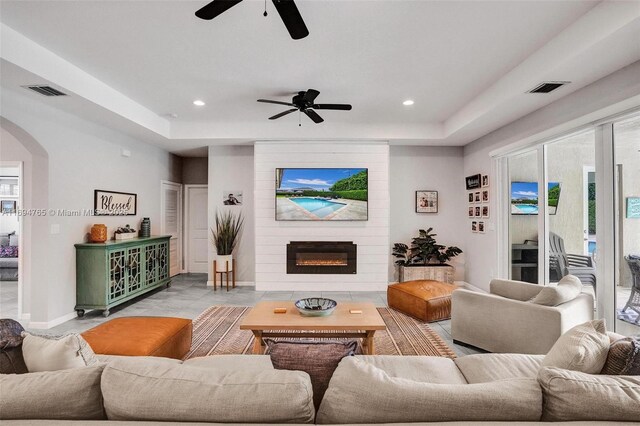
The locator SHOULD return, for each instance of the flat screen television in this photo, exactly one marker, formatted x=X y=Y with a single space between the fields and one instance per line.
x=524 y=198
x=322 y=194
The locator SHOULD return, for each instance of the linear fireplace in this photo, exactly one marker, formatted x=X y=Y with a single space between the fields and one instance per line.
x=321 y=257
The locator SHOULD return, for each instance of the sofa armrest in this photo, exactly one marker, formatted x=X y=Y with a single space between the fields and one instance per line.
x=515 y=290
x=498 y=324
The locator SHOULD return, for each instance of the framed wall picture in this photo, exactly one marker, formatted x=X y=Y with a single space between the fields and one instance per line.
x=473 y=181
x=481 y=227
x=485 y=211
x=478 y=212
x=476 y=197
x=471 y=198
x=8 y=206
x=485 y=196
x=111 y=203
x=485 y=181
x=426 y=201
x=474 y=226
x=232 y=198
x=472 y=212
x=633 y=207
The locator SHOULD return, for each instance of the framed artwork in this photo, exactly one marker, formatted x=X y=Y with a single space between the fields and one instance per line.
x=485 y=181
x=481 y=227
x=485 y=196
x=471 y=198
x=633 y=207
x=8 y=206
x=473 y=181
x=111 y=203
x=485 y=211
x=478 y=212
x=474 y=226
x=426 y=201
x=476 y=197
x=472 y=211
x=231 y=198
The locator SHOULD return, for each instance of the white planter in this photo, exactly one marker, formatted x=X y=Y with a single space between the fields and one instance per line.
x=127 y=236
x=223 y=261
x=442 y=273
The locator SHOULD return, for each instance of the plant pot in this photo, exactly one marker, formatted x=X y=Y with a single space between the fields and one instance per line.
x=442 y=273
x=222 y=261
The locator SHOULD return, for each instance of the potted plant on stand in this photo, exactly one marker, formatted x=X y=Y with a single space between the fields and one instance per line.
x=225 y=236
x=425 y=259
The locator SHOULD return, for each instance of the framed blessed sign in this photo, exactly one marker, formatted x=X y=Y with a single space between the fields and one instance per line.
x=111 y=203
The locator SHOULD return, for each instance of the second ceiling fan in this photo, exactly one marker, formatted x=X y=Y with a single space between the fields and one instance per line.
x=287 y=10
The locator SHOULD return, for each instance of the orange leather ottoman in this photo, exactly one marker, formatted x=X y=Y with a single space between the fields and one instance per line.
x=423 y=299
x=142 y=336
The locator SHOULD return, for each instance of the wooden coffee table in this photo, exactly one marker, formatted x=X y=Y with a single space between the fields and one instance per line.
x=263 y=322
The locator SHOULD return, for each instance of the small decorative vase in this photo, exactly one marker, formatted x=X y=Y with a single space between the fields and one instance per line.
x=99 y=233
x=145 y=228
x=222 y=261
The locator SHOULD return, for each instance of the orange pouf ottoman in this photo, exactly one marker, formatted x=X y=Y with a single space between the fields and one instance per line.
x=423 y=299
x=142 y=336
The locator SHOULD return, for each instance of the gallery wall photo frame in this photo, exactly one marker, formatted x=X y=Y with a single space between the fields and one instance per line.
x=426 y=201
x=485 y=181
x=113 y=203
x=473 y=181
x=474 y=226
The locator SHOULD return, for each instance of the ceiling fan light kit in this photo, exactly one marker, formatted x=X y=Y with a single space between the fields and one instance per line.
x=304 y=103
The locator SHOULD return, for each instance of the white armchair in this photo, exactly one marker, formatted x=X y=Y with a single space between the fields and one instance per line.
x=505 y=321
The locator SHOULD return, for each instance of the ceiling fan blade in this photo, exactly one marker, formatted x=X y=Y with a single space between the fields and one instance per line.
x=292 y=19
x=267 y=101
x=342 y=107
x=215 y=8
x=310 y=95
x=283 y=113
x=313 y=115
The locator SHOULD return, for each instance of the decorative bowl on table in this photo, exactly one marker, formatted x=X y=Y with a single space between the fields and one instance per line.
x=316 y=306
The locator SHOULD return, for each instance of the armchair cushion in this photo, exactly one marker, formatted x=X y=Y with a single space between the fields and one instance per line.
x=584 y=348
x=515 y=290
x=568 y=288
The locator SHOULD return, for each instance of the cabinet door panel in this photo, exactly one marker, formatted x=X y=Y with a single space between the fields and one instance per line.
x=134 y=269
x=151 y=270
x=117 y=275
x=163 y=261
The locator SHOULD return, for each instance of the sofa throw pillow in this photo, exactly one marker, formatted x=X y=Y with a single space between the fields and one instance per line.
x=49 y=353
x=362 y=393
x=584 y=348
x=11 y=360
x=575 y=396
x=318 y=359
x=9 y=251
x=568 y=288
x=623 y=358
x=53 y=395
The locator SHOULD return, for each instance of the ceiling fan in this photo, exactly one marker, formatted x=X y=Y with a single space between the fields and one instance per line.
x=304 y=102
x=287 y=10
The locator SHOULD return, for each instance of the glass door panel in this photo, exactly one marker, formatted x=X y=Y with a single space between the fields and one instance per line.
x=523 y=216
x=626 y=136
x=570 y=174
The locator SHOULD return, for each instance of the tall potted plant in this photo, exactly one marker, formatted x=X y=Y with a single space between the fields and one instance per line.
x=225 y=236
x=422 y=256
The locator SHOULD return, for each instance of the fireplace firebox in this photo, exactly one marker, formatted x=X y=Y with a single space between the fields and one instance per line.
x=321 y=257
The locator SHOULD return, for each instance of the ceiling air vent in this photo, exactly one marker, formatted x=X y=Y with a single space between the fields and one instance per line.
x=45 y=90
x=548 y=86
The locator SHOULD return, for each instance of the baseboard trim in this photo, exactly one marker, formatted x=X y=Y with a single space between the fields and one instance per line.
x=238 y=283
x=42 y=325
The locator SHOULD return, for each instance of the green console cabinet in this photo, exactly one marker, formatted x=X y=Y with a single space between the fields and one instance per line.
x=110 y=273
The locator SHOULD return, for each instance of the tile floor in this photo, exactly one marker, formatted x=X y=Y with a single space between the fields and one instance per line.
x=189 y=295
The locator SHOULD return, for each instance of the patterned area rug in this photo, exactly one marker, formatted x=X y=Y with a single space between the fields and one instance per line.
x=216 y=331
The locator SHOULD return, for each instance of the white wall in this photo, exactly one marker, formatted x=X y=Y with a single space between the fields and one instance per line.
x=82 y=157
x=231 y=169
x=372 y=236
x=606 y=96
x=413 y=168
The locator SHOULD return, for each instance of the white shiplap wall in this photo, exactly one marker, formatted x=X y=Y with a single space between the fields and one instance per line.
x=372 y=236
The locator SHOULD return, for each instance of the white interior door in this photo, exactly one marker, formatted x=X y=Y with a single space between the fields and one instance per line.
x=197 y=229
x=171 y=222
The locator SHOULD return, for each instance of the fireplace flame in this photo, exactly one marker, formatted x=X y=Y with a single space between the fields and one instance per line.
x=320 y=262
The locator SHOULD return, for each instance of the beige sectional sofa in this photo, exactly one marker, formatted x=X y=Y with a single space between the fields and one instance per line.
x=482 y=389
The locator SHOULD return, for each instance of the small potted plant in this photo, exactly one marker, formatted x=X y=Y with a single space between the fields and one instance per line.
x=419 y=260
x=224 y=237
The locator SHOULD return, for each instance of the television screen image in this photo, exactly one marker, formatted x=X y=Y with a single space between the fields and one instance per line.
x=524 y=197
x=322 y=194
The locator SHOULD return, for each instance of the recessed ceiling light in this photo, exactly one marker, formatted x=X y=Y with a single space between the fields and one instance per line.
x=198 y=102
x=408 y=102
